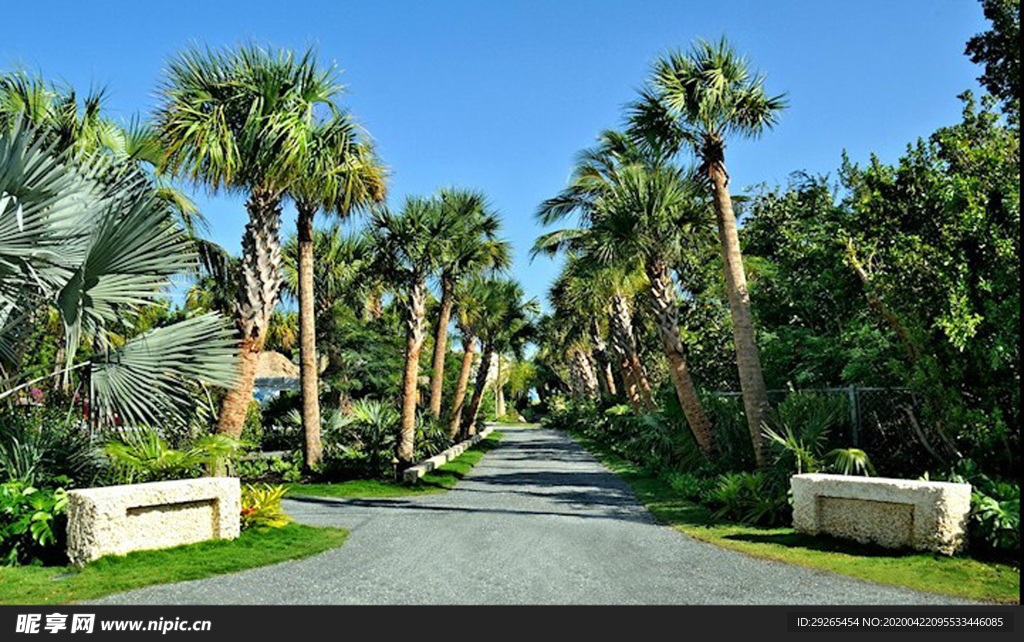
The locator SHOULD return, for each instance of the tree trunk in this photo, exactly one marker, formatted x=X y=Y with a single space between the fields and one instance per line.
x=629 y=384
x=258 y=289
x=663 y=298
x=441 y=346
x=410 y=382
x=748 y=361
x=308 y=362
x=604 y=366
x=622 y=336
x=468 y=346
x=587 y=387
x=469 y=423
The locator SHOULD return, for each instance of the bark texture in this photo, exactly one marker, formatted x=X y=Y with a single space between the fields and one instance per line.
x=410 y=382
x=258 y=290
x=468 y=352
x=666 y=314
x=625 y=343
x=482 y=372
x=308 y=363
x=441 y=346
x=748 y=361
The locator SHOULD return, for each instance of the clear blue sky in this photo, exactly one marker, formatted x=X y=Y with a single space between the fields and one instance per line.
x=499 y=95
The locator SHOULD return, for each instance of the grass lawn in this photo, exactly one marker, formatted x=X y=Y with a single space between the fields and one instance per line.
x=436 y=481
x=113 y=574
x=960 y=576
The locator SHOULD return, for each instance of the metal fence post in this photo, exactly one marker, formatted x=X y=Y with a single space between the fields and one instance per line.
x=854 y=416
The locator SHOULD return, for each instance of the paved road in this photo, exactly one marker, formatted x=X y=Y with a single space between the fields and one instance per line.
x=538 y=521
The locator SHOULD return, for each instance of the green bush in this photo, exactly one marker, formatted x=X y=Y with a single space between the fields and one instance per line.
x=754 y=498
x=141 y=455
x=361 y=444
x=33 y=523
x=690 y=486
x=252 y=429
x=40 y=443
x=994 y=526
x=288 y=468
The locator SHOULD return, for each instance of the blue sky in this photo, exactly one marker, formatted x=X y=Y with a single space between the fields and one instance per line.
x=499 y=95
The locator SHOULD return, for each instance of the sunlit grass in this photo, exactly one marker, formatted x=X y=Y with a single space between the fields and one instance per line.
x=114 y=574
x=436 y=481
x=959 y=576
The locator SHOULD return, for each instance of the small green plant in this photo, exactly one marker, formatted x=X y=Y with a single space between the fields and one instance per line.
x=32 y=523
x=261 y=506
x=141 y=455
x=754 y=498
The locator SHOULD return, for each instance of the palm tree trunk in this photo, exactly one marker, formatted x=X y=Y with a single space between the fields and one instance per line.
x=469 y=424
x=441 y=346
x=622 y=335
x=629 y=384
x=258 y=291
x=410 y=382
x=748 y=361
x=468 y=347
x=307 y=338
x=663 y=298
x=604 y=366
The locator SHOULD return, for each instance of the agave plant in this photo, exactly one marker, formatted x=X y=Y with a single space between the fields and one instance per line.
x=95 y=244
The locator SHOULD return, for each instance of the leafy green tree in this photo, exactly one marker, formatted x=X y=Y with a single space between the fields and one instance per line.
x=697 y=100
x=241 y=120
x=998 y=49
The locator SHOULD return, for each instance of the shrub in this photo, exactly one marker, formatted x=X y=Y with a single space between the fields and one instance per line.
x=141 y=455
x=252 y=429
x=261 y=507
x=362 y=443
x=288 y=468
x=690 y=486
x=38 y=444
x=754 y=498
x=32 y=523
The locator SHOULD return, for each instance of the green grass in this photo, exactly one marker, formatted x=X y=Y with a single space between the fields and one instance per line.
x=958 y=576
x=113 y=574
x=436 y=481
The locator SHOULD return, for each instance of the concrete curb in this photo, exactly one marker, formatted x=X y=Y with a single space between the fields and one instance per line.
x=414 y=473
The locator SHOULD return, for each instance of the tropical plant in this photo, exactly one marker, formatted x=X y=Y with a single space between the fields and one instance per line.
x=697 y=100
x=142 y=455
x=642 y=212
x=505 y=325
x=467 y=231
x=407 y=249
x=261 y=507
x=32 y=522
x=39 y=444
x=242 y=120
x=339 y=173
x=95 y=246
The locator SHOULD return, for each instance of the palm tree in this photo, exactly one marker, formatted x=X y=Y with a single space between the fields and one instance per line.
x=697 y=100
x=339 y=173
x=406 y=248
x=240 y=120
x=468 y=244
x=506 y=325
x=470 y=298
x=651 y=213
x=94 y=248
x=636 y=208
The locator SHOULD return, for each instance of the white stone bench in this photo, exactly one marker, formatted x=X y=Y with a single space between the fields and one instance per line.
x=413 y=474
x=894 y=513
x=119 y=519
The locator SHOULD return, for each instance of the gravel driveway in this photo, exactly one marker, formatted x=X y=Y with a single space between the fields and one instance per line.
x=538 y=521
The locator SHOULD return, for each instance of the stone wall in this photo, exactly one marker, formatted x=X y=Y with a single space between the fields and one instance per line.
x=894 y=513
x=413 y=474
x=115 y=520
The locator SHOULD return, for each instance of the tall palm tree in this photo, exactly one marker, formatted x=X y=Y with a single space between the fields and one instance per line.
x=650 y=213
x=470 y=299
x=468 y=244
x=240 y=120
x=506 y=325
x=406 y=248
x=339 y=173
x=697 y=100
